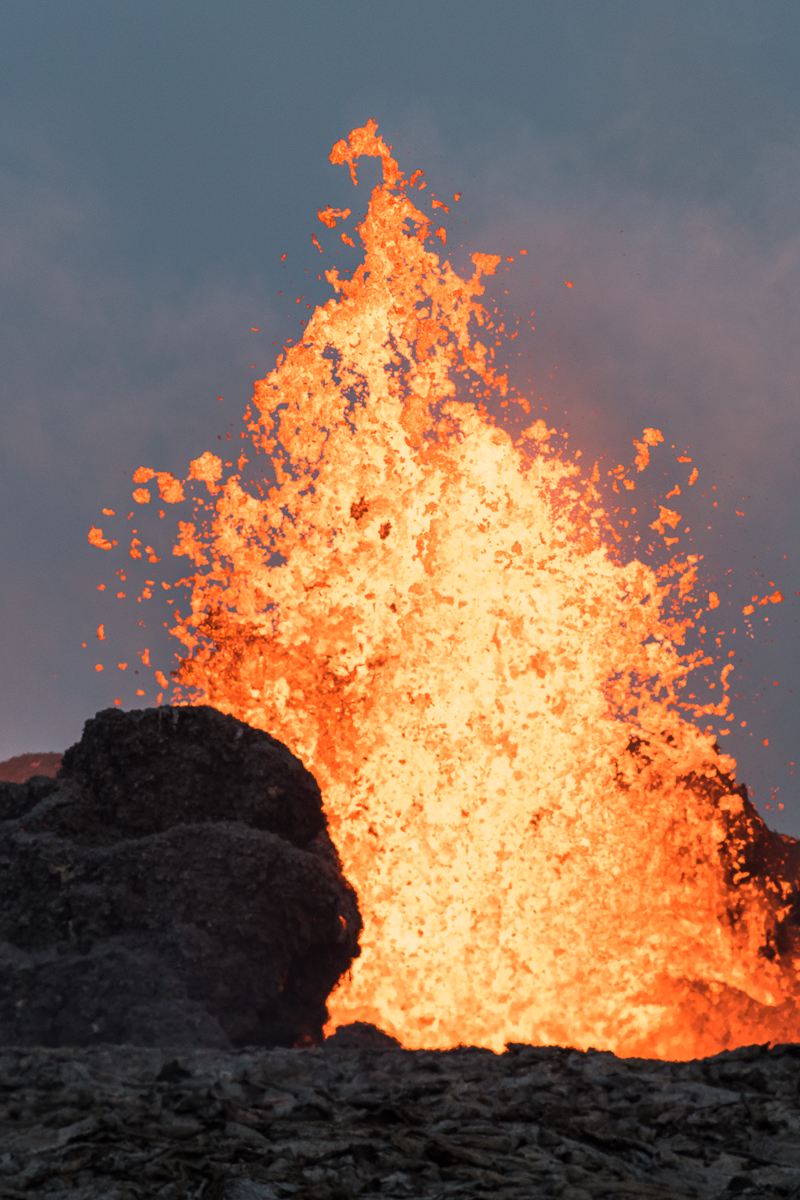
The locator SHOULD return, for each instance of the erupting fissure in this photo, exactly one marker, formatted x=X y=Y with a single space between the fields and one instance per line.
x=545 y=848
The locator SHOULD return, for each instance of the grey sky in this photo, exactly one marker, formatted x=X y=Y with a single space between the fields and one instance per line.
x=157 y=159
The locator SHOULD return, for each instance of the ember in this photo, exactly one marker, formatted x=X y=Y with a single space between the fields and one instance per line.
x=545 y=848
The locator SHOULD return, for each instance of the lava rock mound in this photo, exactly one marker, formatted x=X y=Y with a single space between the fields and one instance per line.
x=175 y=885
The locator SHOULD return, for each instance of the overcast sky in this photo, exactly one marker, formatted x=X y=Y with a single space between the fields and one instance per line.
x=157 y=159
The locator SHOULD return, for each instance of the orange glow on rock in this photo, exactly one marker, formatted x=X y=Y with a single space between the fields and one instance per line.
x=431 y=615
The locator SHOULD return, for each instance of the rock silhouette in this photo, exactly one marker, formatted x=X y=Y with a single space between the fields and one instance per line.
x=174 y=885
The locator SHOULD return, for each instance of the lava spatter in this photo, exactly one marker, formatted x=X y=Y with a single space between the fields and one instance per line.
x=431 y=616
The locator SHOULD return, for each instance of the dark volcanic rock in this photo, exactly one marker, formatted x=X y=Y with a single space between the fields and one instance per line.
x=361 y=1035
x=175 y=885
x=535 y=1123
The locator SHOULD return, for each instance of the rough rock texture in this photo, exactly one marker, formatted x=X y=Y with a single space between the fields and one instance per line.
x=175 y=885
x=331 y=1123
x=24 y=766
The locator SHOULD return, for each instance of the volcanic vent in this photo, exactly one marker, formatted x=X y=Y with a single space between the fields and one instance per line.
x=545 y=846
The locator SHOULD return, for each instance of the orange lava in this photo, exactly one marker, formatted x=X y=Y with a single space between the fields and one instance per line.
x=431 y=616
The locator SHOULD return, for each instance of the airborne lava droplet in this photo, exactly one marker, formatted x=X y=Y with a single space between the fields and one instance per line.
x=492 y=704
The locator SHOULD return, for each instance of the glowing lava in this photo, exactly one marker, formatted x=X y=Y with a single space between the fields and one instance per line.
x=431 y=616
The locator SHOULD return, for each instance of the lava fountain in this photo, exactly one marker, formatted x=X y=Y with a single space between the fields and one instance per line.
x=545 y=845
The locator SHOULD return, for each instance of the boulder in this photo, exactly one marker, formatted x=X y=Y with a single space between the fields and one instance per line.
x=361 y=1035
x=175 y=885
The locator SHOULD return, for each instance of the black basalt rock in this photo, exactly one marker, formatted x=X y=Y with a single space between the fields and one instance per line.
x=174 y=885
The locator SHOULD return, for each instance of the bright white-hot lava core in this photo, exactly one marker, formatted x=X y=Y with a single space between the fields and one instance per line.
x=429 y=614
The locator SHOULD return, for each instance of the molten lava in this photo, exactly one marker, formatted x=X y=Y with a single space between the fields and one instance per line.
x=545 y=848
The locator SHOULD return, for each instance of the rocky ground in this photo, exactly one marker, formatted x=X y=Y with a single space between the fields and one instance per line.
x=336 y=1122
